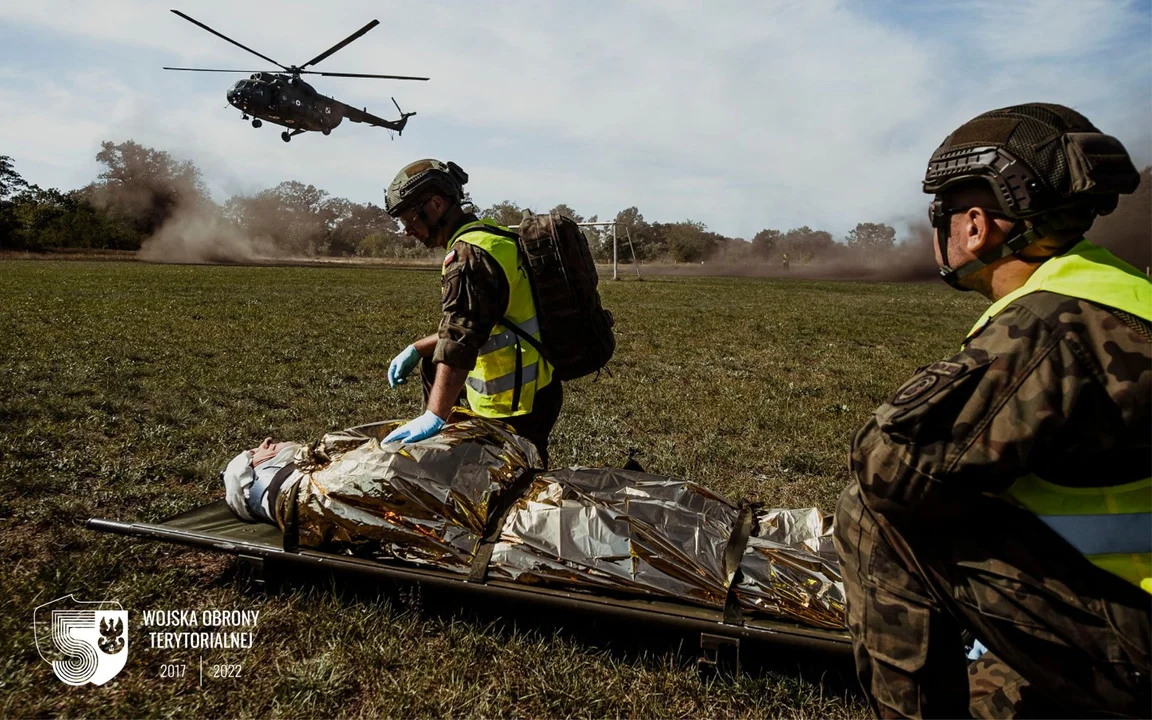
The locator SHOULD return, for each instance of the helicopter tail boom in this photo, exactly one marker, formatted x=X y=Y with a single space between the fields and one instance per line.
x=363 y=116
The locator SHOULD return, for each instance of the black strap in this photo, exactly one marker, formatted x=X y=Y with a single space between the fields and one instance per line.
x=292 y=528
x=500 y=510
x=1046 y=226
x=272 y=492
x=520 y=333
x=733 y=554
x=519 y=379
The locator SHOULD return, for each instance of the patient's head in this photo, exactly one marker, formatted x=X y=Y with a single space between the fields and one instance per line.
x=267 y=450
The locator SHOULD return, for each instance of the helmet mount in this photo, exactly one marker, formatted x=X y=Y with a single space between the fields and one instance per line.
x=421 y=178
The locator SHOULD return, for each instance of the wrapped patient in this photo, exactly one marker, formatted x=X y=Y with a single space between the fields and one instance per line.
x=471 y=496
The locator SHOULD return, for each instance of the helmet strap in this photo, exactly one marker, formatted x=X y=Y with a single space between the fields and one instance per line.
x=1013 y=246
x=453 y=218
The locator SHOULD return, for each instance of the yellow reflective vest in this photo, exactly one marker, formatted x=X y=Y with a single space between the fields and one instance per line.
x=491 y=385
x=1112 y=526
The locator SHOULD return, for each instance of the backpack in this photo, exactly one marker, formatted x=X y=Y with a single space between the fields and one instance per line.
x=575 y=330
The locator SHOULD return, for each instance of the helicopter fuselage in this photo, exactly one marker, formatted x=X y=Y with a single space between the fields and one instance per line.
x=286 y=100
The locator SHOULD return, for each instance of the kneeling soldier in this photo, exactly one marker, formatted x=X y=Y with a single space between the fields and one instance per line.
x=1006 y=491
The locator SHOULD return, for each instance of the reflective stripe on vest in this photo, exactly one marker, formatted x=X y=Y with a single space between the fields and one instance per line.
x=1104 y=534
x=508 y=337
x=491 y=384
x=1112 y=526
x=504 y=383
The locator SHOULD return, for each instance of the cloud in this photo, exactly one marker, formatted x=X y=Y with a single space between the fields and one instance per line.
x=742 y=115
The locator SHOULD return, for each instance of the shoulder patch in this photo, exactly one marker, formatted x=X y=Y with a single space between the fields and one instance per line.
x=915 y=387
x=946 y=368
x=927 y=379
x=450 y=257
x=930 y=384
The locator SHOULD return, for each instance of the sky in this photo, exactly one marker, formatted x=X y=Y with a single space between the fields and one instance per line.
x=741 y=115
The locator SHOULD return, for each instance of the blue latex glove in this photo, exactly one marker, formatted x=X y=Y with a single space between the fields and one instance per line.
x=977 y=650
x=422 y=427
x=402 y=365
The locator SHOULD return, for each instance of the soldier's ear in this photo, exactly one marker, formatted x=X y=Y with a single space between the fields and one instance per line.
x=978 y=230
x=438 y=204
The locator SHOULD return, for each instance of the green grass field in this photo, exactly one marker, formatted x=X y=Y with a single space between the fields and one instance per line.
x=125 y=388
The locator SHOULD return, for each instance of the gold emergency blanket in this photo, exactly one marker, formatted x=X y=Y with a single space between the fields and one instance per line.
x=637 y=533
x=790 y=568
x=596 y=530
x=619 y=530
x=424 y=503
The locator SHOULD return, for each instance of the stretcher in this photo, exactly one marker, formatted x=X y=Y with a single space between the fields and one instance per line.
x=266 y=553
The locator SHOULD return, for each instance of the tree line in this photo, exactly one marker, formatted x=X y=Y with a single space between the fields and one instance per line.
x=140 y=190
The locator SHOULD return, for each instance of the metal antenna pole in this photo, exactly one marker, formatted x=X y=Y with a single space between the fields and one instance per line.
x=615 y=275
x=635 y=260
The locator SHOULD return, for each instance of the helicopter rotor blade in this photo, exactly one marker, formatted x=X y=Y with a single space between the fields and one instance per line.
x=225 y=37
x=362 y=75
x=341 y=44
x=211 y=70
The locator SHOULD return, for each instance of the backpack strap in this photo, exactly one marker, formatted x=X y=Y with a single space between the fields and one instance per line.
x=520 y=333
x=519 y=378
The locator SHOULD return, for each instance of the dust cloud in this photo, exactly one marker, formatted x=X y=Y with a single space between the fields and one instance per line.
x=912 y=260
x=1126 y=232
x=200 y=234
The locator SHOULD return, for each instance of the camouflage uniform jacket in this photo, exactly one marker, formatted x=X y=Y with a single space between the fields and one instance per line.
x=474 y=296
x=1053 y=385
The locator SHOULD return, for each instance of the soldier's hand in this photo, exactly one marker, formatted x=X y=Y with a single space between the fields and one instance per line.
x=402 y=365
x=422 y=427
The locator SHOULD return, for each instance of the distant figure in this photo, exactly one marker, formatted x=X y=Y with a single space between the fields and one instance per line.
x=1007 y=490
x=784 y=261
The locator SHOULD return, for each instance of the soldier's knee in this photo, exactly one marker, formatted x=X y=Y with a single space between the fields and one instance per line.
x=849 y=512
x=851 y=532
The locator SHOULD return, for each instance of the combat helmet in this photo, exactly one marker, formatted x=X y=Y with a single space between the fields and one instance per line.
x=416 y=180
x=1049 y=168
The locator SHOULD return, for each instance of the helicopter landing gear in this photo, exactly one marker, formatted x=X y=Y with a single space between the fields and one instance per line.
x=327 y=131
x=256 y=123
x=244 y=116
x=285 y=136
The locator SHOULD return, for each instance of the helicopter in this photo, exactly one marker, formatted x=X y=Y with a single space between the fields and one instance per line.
x=284 y=98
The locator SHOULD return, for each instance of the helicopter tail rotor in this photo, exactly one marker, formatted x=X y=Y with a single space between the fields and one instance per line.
x=403 y=117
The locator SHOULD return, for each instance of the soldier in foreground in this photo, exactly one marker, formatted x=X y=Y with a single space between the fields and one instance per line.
x=483 y=282
x=1006 y=491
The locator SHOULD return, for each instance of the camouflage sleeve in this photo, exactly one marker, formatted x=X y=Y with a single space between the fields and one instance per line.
x=979 y=420
x=474 y=298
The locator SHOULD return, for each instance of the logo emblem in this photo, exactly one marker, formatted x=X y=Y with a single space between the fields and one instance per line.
x=83 y=641
x=915 y=388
